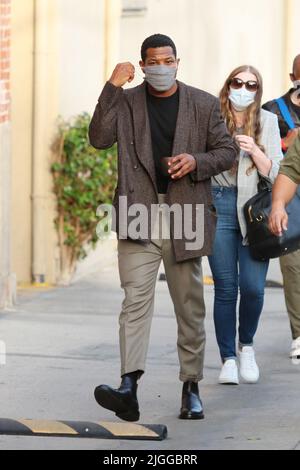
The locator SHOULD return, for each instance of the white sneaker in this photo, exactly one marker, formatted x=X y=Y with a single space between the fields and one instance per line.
x=295 y=351
x=229 y=373
x=248 y=368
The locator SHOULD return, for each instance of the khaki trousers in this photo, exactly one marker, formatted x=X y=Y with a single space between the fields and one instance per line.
x=138 y=267
x=290 y=267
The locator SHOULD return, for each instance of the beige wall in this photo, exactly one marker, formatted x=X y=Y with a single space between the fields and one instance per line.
x=76 y=46
x=58 y=68
x=7 y=279
x=216 y=36
x=81 y=54
x=21 y=82
x=293 y=36
x=34 y=110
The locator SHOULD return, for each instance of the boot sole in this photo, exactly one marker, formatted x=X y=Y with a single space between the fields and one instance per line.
x=191 y=416
x=105 y=399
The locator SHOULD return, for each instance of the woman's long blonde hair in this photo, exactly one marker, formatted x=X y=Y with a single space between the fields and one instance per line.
x=252 y=126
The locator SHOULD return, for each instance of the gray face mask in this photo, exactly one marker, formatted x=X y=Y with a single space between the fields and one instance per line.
x=160 y=77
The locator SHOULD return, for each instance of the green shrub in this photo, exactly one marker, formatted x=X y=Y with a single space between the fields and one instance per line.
x=84 y=178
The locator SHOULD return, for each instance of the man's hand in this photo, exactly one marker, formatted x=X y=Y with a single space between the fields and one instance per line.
x=291 y=137
x=123 y=73
x=182 y=165
x=284 y=190
x=278 y=221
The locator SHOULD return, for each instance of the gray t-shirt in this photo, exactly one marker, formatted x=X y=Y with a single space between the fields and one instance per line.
x=228 y=179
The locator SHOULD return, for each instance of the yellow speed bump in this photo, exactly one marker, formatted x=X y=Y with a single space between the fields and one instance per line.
x=82 y=429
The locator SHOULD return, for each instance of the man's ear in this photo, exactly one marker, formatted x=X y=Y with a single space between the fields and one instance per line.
x=292 y=77
x=142 y=65
x=178 y=62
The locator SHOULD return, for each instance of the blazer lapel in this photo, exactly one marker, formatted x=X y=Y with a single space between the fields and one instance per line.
x=182 y=127
x=142 y=132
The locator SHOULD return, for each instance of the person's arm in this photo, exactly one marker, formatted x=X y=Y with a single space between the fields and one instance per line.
x=283 y=192
x=285 y=188
x=221 y=154
x=290 y=138
x=261 y=161
x=267 y=162
x=221 y=149
x=103 y=127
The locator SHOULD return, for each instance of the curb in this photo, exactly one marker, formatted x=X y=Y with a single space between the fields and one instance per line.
x=83 y=429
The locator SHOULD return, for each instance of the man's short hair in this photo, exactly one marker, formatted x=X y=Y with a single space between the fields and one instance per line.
x=157 y=40
x=296 y=64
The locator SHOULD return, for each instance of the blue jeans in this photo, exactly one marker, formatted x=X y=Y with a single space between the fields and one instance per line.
x=234 y=269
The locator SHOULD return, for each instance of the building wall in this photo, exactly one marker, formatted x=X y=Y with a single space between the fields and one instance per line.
x=22 y=114
x=58 y=68
x=5 y=38
x=7 y=280
x=292 y=16
x=81 y=55
x=215 y=37
x=62 y=51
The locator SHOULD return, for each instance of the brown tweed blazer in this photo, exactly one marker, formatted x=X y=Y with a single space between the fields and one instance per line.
x=121 y=116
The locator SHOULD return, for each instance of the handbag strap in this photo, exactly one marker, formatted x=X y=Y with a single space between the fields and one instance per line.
x=285 y=113
x=264 y=183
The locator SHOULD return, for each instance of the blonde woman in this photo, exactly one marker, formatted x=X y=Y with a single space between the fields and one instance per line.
x=234 y=270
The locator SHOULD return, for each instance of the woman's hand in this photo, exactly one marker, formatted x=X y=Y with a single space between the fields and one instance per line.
x=247 y=144
x=261 y=161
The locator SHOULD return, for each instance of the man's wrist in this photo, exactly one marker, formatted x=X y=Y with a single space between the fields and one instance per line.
x=195 y=164
x=278 y=205
x=113 y=83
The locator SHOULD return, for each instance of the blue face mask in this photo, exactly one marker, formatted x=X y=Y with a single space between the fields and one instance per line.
x=160 y=77
x=241 y=99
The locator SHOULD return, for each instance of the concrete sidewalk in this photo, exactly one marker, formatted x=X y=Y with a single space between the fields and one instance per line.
x=61 y=343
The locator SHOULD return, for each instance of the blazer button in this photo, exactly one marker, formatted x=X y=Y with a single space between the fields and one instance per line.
x=136 y=167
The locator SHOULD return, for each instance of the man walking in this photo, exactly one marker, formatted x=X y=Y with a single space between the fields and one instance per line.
x=287 y=109
x=160 y=119
x=285 y=189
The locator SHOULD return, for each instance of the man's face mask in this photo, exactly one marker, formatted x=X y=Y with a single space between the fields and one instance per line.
x=160 y=77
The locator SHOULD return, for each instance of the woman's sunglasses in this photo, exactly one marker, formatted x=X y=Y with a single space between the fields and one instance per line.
x=237 y=84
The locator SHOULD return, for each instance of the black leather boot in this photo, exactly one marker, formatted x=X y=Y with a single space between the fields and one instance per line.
x=191 y=404
x=123 y=401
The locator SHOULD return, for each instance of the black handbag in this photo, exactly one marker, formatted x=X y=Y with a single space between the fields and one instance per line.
x=263 y=244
